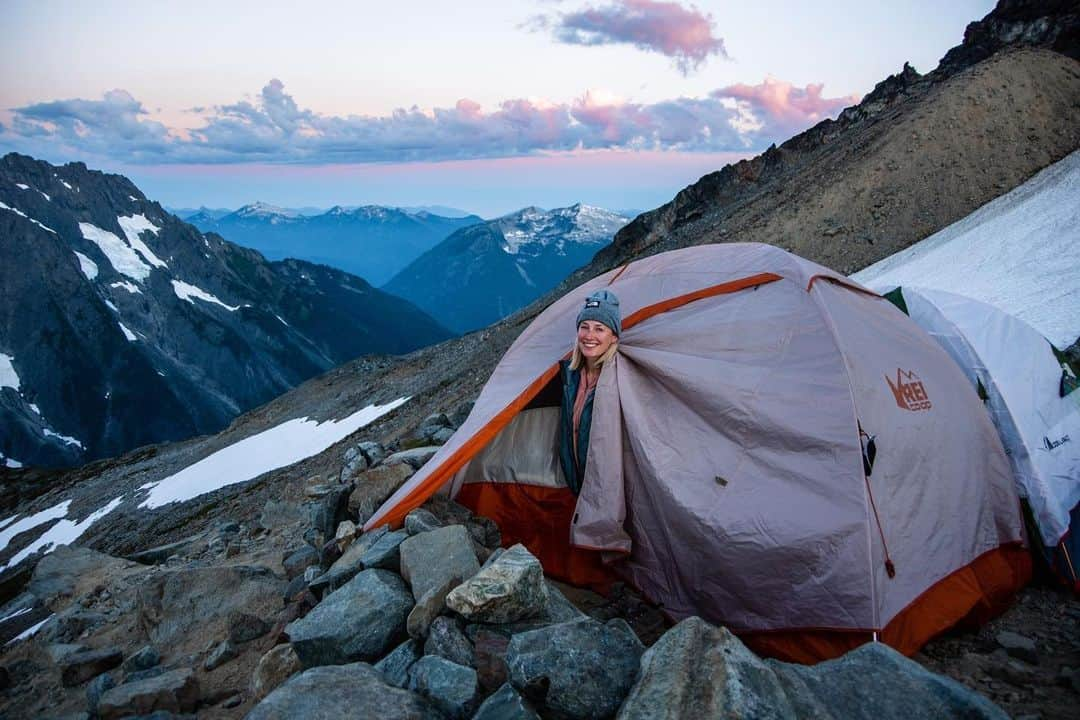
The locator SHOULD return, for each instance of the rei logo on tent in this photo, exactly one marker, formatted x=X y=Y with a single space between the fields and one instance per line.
x=908 y=391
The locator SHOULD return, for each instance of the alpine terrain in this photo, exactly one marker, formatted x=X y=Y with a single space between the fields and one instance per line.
x=121 y=326
x=372 y=242
x=482 y=273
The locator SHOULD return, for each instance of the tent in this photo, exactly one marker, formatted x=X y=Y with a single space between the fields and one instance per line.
x=729 y=449
x=1030 y=391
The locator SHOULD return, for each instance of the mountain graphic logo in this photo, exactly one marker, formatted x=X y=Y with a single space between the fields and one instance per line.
x=909 y=391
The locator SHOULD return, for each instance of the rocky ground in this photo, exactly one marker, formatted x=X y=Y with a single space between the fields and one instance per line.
x=278 y=614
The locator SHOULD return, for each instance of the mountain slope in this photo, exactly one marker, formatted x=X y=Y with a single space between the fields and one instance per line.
x=372 y=242
x=482 y=273
x=121 y=325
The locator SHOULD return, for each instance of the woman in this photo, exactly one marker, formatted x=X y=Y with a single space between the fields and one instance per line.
x=599 y=325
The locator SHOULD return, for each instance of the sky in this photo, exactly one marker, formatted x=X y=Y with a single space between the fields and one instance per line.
x=484 y=106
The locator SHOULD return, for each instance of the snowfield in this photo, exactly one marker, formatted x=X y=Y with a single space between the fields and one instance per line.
x=123 y=259
x=1019 y=252
x=8 y=376
x=186 y=291
x=276 y=447
x=64 y=532
x=132 y=226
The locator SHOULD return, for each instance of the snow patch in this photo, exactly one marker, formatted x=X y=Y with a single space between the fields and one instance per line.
x=524 y=275
x=9 y=531
x=19 y=212
x=130 y=287
x=66 y=439
x=17 y=613
x=127 y=333
x=184 y=291
x=12 y=463
x=21 y=187
x=1018 y=252
x=110 y=306
x=132 y=226
x=8 y=376
x=125 y=260
x=35 y=408
x=65 y=184
x=132 y=198
x=28 y=632
x=64 y=532
x=247 y=459
x=283 y=321
x=89 y=267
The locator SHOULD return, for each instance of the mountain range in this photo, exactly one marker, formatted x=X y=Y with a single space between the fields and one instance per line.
x=371 y=241
x=484 y=272
x=121 y=325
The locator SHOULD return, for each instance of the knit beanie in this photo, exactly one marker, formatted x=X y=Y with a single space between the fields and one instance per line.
x=602 y=306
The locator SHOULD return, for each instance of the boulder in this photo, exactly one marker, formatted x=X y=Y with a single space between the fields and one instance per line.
x=414 y=458
x=510 y=589
x=176 y=691
x=483 y=530
x=430 y=559
x=386 y=552
x=446 y=640
x=579 y=669
x=221 y=654
x=325 y=512
x=144 y=658
x=245 y=627
x=71 y=571
x=374 y=487
x=421 y=521
x=489 y=649
x=345 y=534
x=395 y=666
x=160 y=553
x=275 y=667
x=697 y=670
x=354 y=462
x=452 y=688
x=559 y=610
x=98 y=687
x=429 y=607
x=78 y=667
x=875 y=682
x=506 y=704
x=299 y=560
x=183 y=609
x=279 y=513
x=373 y=452
x=71 y=624
x=440 y=436
x=342 y=691
x=358 y=621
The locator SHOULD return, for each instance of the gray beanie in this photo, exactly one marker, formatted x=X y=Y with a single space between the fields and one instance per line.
x=602 y=306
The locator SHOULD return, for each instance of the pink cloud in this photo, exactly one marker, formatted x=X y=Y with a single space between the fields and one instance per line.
x=781 y=107
x=668 y=28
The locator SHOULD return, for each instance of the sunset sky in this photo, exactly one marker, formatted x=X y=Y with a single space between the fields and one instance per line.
x=485 y=106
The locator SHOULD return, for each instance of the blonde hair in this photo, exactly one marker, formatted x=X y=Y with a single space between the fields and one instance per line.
x=577 y=360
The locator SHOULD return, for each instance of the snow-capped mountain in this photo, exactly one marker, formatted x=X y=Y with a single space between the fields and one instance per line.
x=371 y=241
x=481 y=274
x=121 y=325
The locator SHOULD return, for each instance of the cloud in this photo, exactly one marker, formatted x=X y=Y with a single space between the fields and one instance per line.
x=682 y=34
x=779 y=108
x=274 y=128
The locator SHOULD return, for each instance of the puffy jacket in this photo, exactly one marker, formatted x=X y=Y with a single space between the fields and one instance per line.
x=573 y=467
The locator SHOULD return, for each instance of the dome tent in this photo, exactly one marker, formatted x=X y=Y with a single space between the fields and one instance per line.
x=730 y=440
x=1030 y=392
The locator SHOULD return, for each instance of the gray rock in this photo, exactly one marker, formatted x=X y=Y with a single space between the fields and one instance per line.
x=421 y=521
x=440 y=436
x=429 y=607
x=183 y=609
x=161 y=553
x=297 y=561
x=175 y=691
x=450 y=687
x=490 y=653
x=62 y=571
x=461 y=413
x=140 y=675
x=57 y=652
x=580 y=669
x=144 y=658
x=446 y=640
x=354 y=462
x=373 y=452
x=349 y=564
x=326 y=512
x=415 y=458
x=559 y=610
x=697 y=670
x=296 y=586
x=395 y=666
x=278 y=513
x=97 y=687
x=506 y=704
x=508 y=590
x=71 y=624
x=385 y=553
x=275 y=667
x=877 y=683
x=374 y=487
x=431 y=558
x=345 y=534
x=221 y=654
x=343 y=691
x=311 y=573
x=1018 y=646
x=358 y=621
x=78 y=667
x=244 y=627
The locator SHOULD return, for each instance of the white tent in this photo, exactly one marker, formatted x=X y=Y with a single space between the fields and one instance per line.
x=1021 y=381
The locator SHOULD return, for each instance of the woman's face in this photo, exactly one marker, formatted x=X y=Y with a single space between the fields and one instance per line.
x=594 y=338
